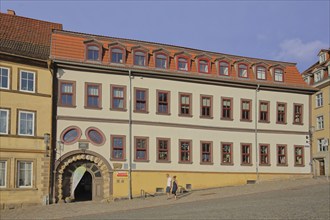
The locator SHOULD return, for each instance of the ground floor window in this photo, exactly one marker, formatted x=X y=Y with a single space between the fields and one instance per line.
x=3 y=173
x=24 y=174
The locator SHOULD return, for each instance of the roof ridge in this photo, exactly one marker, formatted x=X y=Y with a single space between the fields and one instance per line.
x=22 y=17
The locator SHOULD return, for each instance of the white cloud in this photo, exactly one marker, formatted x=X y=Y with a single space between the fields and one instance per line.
x=295 y=50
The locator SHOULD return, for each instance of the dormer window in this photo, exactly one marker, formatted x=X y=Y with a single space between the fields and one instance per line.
x=117 y=55
x=317 y=76
x=224 y=68
x=322 y=57
x=203 y=66
x=242 y=71
x=93 y=53
x=161 y=61
x=140 y=58
x=261 y=72
x=182 y=64
x=278 y=75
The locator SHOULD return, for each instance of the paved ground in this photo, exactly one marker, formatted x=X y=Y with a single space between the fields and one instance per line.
x=294 y=199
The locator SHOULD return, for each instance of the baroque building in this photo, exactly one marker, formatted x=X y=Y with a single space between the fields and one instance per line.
x=25 y=110
x=131 y=111
x=318 y=76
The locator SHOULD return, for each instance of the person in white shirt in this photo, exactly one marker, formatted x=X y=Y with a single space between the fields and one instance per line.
x=168 y=186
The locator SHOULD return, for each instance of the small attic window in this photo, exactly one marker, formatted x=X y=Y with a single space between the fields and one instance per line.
x=93 y=53
x=322 y=57
x=278 y=75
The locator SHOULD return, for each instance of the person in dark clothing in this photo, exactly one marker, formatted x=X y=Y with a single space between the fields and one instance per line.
x=174 y=186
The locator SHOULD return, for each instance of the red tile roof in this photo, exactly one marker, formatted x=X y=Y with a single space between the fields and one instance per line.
x=26 y=36
x=69 y=46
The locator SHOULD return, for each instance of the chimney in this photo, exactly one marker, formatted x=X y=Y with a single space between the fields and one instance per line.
x=11 y=12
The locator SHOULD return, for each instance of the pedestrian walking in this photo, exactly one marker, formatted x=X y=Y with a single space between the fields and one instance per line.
x=174 y=187
x=168 y=186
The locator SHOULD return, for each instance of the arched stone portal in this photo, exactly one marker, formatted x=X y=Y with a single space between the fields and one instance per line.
x=98 y=168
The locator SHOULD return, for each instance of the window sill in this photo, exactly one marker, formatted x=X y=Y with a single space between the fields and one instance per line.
x=227 y=164
x=267 y=122
x=295 y=123
x=183 y=115
x=67 y=106
x=116 y=159
x=299 y=165
x=206 y=163
x=247 y=164
x=227 y=119
x=183 y=162
x=246 y=120
x=317 y=107
x=143 y=161
x=163 y=161
x=119 y=109
x=206 y=117
x=265 y=165
x=282 y=165
x=19 y=189
x=281 y=123
x=157 y=113
x=142 y=112
x=93 y=108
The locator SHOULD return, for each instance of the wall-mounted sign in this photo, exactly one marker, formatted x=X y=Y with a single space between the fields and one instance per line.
x=83 y=145
x=122 y=174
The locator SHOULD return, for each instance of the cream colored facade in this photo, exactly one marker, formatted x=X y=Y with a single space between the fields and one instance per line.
x=149 y=176
x=23 y=155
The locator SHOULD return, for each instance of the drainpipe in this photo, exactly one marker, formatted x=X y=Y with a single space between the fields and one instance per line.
x=130 y=137
x=256 y=130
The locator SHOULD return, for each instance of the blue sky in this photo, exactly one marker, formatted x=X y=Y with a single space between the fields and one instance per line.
x=292 y=31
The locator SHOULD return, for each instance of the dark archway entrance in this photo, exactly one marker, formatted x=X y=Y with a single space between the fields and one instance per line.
x=84 y=190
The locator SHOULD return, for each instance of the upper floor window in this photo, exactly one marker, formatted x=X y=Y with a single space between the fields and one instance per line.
x=163 y=102
x=3 y=173
x=242 y=71
x=141 y=148
x=141 y=100
x=319 y=99
x=246 y=154
x=117 y=55
x=185 y=104
x=261 y=72
x=206 y=106
x=24 y=174
x=264 y=111
x=322 y=57
x=298 y=155
x=298 y=113
x=93 y=95
x=320 y=122
x=118 y=96
x=264 y=154
x=318 y=76
x=67 y=96
x=245 y=110
x=185 y=151
x=118 y=147
x=281 y=155
x=93 y=53
x=322 y=144
x=27 y=81
x=70 y=135
x=224 y=69
x=226 y=153
x=4 y=78
x=161 y=61
x=95 y=136
x=278 y=75
x=4 y=121
x=163 y=150
x=182 y=64
x=206 y=152
x=203 y=66
x=139 y=58
x=26 y=123
x=227 y=108
x=281 y=113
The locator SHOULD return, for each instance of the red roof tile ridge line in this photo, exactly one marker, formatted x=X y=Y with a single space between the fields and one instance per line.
x=22 y=17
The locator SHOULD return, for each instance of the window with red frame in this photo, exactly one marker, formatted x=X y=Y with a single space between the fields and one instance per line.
x=246 y=154
x=297 y=108
x=227 y=153
x=182 y=64
x=141 y=148
x=242 y=71
x=93 y=96
x=206 y=152
x=281 y=155
x=185 y=151
x=185 y=104
x=263 y=112
x=298 y=155
x=118 y=97
x=206 y=106
x=226 y=108
x=139 y=58
x=246 y=110
x=163 y=102
x=67 y=93
x=141 y=100
x=281 y=113
x=118 y=147
x=93 y=53
x=163 y=146
x=224 y=69
x=203 y=66
x=264 y=154
x=161 y=61
x=117 y=55
x=278 y=75
x=261 y=72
